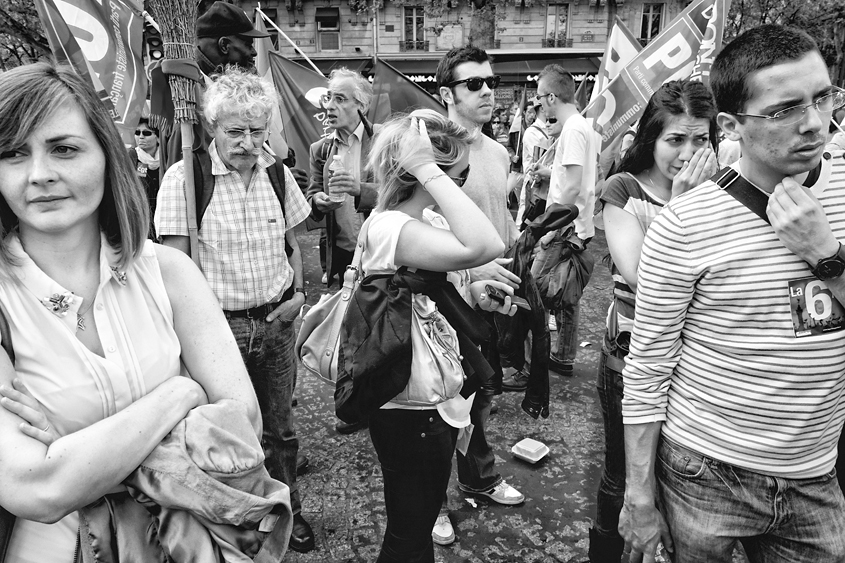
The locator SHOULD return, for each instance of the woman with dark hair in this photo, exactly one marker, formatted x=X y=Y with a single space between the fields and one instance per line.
x=145 y=158
x=105 y=325
x=673 y=151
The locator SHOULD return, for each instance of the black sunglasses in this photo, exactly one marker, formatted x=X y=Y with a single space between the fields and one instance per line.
x=474 y=83
x=551 y=120
x=145 y=132
x=462 y=177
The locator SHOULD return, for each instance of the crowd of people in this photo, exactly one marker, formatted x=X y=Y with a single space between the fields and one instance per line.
x=159 y=424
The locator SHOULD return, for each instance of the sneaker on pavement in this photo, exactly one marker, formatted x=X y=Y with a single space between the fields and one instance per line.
x=443 y=532
x=325 y=278
x=552 y=323
x=501 y=493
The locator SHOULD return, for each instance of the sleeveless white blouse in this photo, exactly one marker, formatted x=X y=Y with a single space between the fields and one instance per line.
x=75 y=386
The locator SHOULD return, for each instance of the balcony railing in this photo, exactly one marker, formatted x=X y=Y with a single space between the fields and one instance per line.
x=413 y=46
x=557 y=42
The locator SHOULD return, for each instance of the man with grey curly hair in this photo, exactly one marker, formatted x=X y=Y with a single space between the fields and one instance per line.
x=248 y=205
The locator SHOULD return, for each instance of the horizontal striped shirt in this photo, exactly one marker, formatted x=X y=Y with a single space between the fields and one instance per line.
x=242 y=235
x=627 y=193
x=714 y=354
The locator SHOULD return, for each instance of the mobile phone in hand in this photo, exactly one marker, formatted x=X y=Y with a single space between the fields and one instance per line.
x=498 y=296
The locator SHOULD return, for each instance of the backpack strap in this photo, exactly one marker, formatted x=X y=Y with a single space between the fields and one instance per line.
x=276 y=173
x=743 y=191
x=205 y=188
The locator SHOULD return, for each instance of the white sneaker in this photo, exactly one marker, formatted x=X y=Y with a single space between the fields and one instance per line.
x=552 y=323
x=443 y=533
x=501 y=493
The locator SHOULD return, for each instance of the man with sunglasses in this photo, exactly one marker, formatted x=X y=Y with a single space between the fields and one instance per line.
x=466 y=82
x=573 y=181
x=734 y=382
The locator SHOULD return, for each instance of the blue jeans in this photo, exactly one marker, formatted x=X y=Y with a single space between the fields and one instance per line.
x=415 y=452
x=606 y=544
x=710 y=505
x=267 y=351
x=567 y=333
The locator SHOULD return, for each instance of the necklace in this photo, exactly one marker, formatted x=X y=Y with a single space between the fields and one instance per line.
x=80 y=316
x=656 y=191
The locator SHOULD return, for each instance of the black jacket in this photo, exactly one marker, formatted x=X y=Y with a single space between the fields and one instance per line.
x=513 y=330
x=374 y=360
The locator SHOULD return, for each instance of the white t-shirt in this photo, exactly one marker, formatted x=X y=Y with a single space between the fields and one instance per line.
x=577 y=145
x=380 y=257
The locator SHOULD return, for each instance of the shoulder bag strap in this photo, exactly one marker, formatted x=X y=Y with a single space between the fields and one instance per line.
x=353 y=271
x=744 y=192
x=741 y=189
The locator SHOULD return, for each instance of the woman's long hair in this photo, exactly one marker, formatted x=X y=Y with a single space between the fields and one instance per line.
x=390 y=157
x=680 y=97
x=30 y=95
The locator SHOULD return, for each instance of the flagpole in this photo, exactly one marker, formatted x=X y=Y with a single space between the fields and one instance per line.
x=283 y=34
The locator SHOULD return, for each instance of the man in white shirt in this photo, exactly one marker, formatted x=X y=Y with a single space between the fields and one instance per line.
x=466 y=82
x=573 y=181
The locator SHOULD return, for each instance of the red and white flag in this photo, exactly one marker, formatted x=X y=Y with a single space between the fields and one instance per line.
x=102 y=41
x=689 y=42
x=394 y=92
x=303 y=115
x=621 y=49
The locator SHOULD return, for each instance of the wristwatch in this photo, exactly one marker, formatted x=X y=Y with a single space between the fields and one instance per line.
x=830 y=268
x=302 y=291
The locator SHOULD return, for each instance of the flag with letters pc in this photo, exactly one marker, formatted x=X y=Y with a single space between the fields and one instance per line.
x=102 y=41
x=687 y=45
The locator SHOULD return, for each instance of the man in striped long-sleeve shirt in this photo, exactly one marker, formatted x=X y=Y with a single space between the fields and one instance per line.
x=734 y=383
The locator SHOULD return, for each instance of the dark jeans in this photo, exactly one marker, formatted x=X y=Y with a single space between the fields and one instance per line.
x=476 y=469
x=415 y=452
x=606 y=545
x=567 y=333
x=340 y=260
x=267 y=351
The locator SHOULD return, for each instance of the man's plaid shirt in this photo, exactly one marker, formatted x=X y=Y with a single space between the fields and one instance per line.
x=242 y=236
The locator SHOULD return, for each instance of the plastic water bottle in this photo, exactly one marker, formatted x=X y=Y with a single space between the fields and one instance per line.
x=335 y=167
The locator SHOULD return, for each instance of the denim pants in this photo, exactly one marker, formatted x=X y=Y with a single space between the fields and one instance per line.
x=267 y=351
x=415 y=452
x=710 y=505
x=476 y=469
x=606 y=545
x=567 y=333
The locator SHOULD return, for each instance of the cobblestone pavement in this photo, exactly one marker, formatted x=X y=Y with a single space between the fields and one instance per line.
x=342 y=491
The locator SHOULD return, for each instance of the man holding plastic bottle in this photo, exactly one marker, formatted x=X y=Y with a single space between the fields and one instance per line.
x=343 y=194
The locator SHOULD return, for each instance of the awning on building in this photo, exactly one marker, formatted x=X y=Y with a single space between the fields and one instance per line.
x=327 y=15
x=514 y=66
